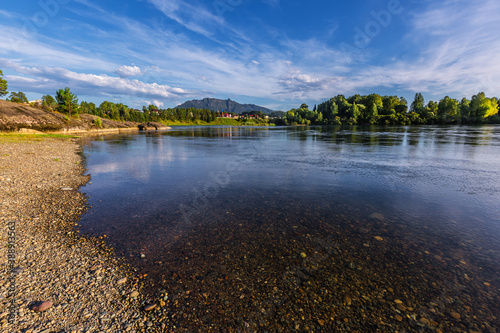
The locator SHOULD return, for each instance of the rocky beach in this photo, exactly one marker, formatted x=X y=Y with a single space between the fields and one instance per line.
x=53 y=280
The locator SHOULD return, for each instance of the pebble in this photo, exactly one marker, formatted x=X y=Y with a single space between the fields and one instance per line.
x=378 y=238
x=66 y=189
x=424 y=321
x=41 y=306
x=377 y=216
x=18 y=270
x=122 y=281
x=149 y=307
x=134 y=294
x=454 y=315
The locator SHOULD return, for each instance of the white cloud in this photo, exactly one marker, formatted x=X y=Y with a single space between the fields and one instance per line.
x=194 y=17
x=455 y=48
x=54 y=76
x=128 y=71
x=304 y=85
x=459 y=50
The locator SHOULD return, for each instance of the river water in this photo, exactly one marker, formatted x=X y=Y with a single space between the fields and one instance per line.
x=306 y=229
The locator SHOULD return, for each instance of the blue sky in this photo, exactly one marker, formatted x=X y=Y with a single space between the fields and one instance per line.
x=274 y=53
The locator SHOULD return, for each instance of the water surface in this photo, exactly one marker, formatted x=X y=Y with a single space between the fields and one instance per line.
x=306 y=228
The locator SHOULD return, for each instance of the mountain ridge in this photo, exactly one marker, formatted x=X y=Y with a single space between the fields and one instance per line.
x=222 y=105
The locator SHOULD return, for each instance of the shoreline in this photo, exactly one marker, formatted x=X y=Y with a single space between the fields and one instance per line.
x=90 y=288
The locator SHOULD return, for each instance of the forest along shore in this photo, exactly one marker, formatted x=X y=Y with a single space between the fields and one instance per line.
x=42 y=257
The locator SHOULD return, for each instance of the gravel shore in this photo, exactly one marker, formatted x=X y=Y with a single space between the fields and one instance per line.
x=43 y=259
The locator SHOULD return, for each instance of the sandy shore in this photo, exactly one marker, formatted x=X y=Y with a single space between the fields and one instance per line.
x=47 y=260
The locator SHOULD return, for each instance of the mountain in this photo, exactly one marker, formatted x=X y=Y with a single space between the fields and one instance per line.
x=228 y=105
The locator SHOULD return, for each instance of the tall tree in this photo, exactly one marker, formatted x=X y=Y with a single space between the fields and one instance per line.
x=18 y=97
x=67 y=101
x=48 y=101
x=447 y=107
x=418 y=103
x=465 y=109
x=3 y=85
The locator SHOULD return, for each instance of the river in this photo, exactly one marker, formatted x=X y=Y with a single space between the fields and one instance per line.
x=306 y=229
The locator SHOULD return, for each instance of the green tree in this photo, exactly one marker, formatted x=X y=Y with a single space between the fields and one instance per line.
x=353 y=114
x=67 y=101
x=3 y=85
x=465 y=109
x=18 y=97
x=418 y=103
x=89 y=108
x=48 y=101
x=482 y=107
x=447 y=108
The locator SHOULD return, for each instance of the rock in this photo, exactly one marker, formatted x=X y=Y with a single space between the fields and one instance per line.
x=17 y=270
x=134 y=294
x=377 y=216
x=397 y=301
x=379 y=238
x=41 y=306
x=149 y=307
x=303 y=255
x=398 y=317
x=66 y=189
x=321 y=322
x=424 y=321
x=454 y=315
x=348 y=301
x=122 y=281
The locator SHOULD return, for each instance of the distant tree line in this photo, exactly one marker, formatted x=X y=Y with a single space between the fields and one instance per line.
x=369 y=109
x=392 y=110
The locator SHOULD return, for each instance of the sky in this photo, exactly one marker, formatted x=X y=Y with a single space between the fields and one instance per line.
x=274 y=53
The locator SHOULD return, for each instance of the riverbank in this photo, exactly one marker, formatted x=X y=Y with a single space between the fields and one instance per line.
x=90 y=289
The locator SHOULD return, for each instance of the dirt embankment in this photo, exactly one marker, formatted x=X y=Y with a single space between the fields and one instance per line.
x=20 y=117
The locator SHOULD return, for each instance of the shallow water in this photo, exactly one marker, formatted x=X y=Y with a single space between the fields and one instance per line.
x=307 y=228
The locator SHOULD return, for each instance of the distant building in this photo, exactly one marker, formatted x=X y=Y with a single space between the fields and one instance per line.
x=36 y=103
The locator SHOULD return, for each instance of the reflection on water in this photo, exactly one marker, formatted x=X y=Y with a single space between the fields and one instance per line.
x=307 y=228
